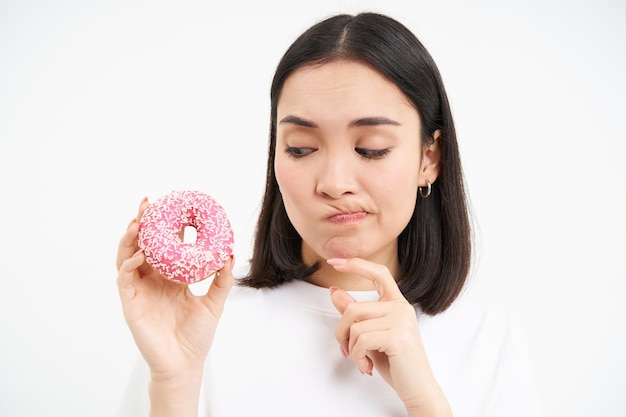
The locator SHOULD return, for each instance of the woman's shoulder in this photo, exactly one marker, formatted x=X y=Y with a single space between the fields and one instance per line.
x=480 y=355
x=467 y=319
x=474 y=336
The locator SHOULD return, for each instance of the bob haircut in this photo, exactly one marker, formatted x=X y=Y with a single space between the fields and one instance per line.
x=434 y=249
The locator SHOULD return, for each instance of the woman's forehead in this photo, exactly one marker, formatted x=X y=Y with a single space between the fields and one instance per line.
x=340 y=87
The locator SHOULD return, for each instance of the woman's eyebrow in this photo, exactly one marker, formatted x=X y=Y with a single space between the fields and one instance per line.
x=297 y=121
x=373 y=121
x=363 y=121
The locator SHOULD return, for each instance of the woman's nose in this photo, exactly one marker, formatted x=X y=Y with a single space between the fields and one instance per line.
x=336 y=177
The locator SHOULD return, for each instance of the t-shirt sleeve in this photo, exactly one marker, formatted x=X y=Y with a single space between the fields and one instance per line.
x=517 y=394
x=135 y=402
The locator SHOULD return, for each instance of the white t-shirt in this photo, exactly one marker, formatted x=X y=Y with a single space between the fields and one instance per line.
x=275 y=354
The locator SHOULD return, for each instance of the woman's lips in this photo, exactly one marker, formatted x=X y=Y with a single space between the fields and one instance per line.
x=347 y=218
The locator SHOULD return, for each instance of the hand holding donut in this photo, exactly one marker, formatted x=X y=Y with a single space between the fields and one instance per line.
x=384 y=335
x=172 y=328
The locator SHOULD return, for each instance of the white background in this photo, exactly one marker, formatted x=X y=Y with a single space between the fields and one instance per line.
x=104 y=102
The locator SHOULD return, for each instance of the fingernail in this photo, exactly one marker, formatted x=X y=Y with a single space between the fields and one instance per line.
x=137 y=253
x=332 y=289
x=336 y=261
x=366 y=371
x=232 y=263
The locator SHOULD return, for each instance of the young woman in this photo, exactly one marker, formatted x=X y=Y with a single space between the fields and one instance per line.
x=362 y=248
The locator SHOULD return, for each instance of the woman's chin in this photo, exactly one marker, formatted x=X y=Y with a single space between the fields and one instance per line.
x=342 y=247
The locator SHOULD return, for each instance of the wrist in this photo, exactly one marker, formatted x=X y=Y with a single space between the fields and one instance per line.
x=434 y=407
x=429 y=403
x=176 y=377
x=175 y=394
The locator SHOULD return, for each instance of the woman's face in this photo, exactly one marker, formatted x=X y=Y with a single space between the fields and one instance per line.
x=349 y=161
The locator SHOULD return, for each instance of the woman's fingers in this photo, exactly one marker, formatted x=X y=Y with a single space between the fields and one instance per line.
x=220 y=288
x=340 y=299
x=143 y=205
x=128 y=275
x=369 y=331
x=368 y=327
x=128 y=243
x=383 y=281
x=345 y=304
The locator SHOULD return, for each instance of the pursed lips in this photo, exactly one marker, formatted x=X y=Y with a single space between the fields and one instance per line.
x=348 y=218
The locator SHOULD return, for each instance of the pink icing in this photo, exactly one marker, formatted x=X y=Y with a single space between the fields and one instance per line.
x=166 y=217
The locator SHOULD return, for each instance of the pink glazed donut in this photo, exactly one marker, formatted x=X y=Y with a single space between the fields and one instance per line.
x=159 y=236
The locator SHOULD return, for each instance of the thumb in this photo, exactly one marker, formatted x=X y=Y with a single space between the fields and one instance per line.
x=220 y=287
x=340 y=299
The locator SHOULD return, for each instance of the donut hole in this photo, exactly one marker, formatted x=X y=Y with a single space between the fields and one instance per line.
x=189 y=234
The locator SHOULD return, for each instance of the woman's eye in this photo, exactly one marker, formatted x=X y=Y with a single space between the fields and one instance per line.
x=298 y=152
x=372 y=153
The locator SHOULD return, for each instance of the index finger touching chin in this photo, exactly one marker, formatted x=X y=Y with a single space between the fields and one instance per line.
x=379 y=274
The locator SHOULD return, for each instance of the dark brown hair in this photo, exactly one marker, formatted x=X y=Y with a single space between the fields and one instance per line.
x=434 y=250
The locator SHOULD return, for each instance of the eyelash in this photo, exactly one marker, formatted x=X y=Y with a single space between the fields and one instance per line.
x=298 y=153
x=372 y=153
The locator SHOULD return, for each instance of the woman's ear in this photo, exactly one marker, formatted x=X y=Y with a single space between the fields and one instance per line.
x=431 y=155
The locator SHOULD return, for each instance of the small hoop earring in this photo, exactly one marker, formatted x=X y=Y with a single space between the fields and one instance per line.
x=425 y=194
